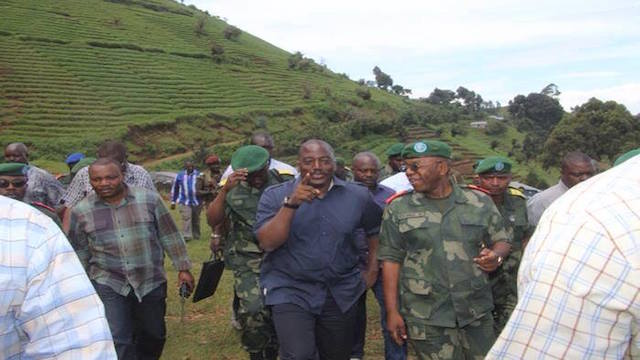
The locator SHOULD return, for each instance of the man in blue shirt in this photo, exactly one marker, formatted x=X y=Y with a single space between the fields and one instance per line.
x=366 y=170
x=310 y=274
x=184 y=192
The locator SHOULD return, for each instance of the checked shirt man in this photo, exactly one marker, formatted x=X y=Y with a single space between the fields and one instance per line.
x=120 y=235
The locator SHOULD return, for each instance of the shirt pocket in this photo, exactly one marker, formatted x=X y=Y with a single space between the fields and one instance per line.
x=418 y=298
x=144 y=226
x=474 y=230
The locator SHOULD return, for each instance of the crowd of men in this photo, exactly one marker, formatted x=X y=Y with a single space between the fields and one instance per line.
x=459 y=271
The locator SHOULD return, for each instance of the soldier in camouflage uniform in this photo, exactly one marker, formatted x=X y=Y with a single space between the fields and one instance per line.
x=438 y=244
x=494 y=176
x=238 y=201
x=13 y=184
x=394 y=163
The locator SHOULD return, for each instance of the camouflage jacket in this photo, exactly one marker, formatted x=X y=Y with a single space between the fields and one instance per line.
x=439 y=283
x=241 y=247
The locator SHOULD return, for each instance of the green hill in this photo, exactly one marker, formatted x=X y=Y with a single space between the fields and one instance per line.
x=76 y=72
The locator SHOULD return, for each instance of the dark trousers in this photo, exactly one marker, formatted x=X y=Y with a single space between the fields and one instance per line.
x=357 y=350
x=307 y=336
x=137 y=328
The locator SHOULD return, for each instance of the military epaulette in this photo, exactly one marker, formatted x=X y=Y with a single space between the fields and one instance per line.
x=478 y=188
x=516 y=192
x=397 y=195
x=285 y=172
x=39 y=204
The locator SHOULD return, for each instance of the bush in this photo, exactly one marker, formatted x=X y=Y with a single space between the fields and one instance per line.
x=306 y=92
x=198 y=28
x=231 y=32
x=495 y=127
x=216 y=52
x=363 y=93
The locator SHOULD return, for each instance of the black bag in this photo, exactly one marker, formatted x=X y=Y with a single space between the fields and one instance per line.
x=209 y=277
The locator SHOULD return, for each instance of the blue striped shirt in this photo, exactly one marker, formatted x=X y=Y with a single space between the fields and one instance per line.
x=48 y=307
x=183 y=190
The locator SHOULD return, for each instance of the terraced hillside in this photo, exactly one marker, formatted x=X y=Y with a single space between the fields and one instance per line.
x=74 y=72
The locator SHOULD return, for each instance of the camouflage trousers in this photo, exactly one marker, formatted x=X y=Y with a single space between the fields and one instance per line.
x=439 y=343
x=505 y=293
x=258 y=334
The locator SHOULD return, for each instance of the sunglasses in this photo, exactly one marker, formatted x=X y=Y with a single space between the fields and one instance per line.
x=18 y=183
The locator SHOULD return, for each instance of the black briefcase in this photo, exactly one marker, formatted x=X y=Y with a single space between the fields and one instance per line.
x=209 y=277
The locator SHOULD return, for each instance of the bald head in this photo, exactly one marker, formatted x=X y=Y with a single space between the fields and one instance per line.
x=576 y=167
x=264 y=140
x=16 y=152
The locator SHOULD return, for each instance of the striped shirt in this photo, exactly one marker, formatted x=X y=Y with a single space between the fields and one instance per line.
x=184 y=190
x=122 y=246
x=48 y=308
x=80 y=186
x=579 y=280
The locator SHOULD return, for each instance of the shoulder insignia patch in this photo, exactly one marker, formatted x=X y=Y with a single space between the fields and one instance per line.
x=477 y=188
x=396 y=195
x=516 y=192
x=285 y=172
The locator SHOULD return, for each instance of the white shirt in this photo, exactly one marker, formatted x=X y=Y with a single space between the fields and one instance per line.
x=398 y=182
x=579 y=279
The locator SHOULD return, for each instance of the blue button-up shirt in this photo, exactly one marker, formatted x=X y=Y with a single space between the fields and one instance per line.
x=320 y=254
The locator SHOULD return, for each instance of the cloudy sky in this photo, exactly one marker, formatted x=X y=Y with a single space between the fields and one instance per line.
x=498 y=48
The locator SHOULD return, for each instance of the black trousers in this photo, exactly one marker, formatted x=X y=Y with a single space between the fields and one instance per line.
x=137 y=328
x=307 y=336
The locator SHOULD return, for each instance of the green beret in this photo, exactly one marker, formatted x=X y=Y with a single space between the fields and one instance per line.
x=251 y=157
x=493 y=164
x=340 y=161
x=13 y=169
x=82 y=163
x=395 y=150
x=424 y=148
x=626 y=156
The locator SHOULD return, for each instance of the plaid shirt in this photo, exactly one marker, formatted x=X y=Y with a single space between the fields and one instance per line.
x=80 y=186
x=48 y=308
x=579 y=279
x=123 y=246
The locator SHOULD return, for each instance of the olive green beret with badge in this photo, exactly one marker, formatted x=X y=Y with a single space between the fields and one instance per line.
x=493 y=164
x=82 y=163
x=13 y=169
x=424 y=148
x=395 y=150
x=250 y=157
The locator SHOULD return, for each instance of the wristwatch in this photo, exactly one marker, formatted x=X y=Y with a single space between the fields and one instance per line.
x=287 y=203
x=500 y=259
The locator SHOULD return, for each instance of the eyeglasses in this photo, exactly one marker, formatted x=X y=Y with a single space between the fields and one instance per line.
x=18 y=183
x=416 y=165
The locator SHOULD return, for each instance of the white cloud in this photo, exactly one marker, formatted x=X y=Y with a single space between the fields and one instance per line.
x=626 y=94
x=590 y=74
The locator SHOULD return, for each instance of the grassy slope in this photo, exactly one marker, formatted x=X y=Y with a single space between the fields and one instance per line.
x=63 y=94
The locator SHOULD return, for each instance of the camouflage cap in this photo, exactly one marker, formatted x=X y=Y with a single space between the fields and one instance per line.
x=626 y=156
x=425 y=148
x=13 y=169
x=251 y=157
x=493 y=164
x=395 y=150
x=82 y=163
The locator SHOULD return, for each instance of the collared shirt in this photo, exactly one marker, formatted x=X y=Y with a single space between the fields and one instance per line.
x=48 y=307
x=542 y=200
x=184 y=190
x=80 y=186
x=380 y=194
x=123 y=246
x=579 y=279
x=283 y=169
x=42 y=187
x=320 y=254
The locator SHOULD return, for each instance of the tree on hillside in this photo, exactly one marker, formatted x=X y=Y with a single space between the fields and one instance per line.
x=231 y=32
x=441 y=96
x=198 y=28
x=599 y=129
x=383 y=80
x=472 y=101
x=536 y=112
x=551 y=90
